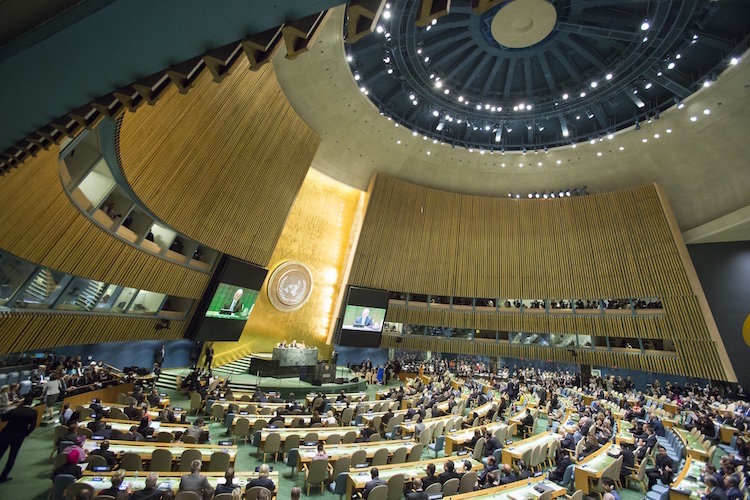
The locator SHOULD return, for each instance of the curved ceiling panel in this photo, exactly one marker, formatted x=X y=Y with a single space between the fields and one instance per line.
x=701 y=164
x=532 y=74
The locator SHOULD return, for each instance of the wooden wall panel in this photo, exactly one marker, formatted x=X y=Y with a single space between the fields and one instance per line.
x=610 y=246
x=39 y=223
x=223 y=163
x=25 y=331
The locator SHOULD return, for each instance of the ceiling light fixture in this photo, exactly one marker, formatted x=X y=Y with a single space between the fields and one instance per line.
x=734 y=61
x=609 y=76
x=645 y=25
x=671 y=65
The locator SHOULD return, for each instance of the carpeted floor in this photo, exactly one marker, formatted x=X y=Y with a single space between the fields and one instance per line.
x=33 y=466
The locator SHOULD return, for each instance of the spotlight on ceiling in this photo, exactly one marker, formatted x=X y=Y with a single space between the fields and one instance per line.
x=564 y=126
x=671 y=65
x=565 y=96
x=441 y=125
x=645 y=25
x=589 y=114
x=499 y=134
x=609 y=76
x=734 y=61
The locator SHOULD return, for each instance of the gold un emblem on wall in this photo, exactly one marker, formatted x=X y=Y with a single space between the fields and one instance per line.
x=290 y=286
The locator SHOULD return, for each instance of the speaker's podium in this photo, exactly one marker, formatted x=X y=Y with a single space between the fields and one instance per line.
x=322 y=373
x=284 y=362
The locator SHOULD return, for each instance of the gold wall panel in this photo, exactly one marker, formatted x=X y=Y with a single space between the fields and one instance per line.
x=25 y=331
x=614 y=245
x=39 y=223
x=223 y=163
x=316 y=234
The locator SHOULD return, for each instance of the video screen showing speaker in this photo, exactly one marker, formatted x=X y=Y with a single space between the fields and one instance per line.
x=228 y=302
x=364 y=315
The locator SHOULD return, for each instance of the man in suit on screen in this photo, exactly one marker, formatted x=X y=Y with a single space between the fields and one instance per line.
x=364 y=319
x=236 y=305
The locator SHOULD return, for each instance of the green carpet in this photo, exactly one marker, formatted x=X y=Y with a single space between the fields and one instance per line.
x=33 y=467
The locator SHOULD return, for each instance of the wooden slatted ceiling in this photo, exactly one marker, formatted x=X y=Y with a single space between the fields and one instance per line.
x=39 y=223
x=614 y=245
x=223 y=163
x=25 y=331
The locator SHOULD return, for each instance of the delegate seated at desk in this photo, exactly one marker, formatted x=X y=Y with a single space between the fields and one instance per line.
x=364 y=320
x=236 y=305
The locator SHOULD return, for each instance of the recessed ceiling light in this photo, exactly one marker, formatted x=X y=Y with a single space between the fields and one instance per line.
x=599 y=153
x=592 y=141
x=356 y=76
x=706 y=111
x=645 y=39
x=707 y=83
x=386 y=14
x=678 y=56
x=671 y=65
x=644 y=140
x=609 y=76
x=559 y=162
x=390 y=71
x=583 y=94
x=578 y=117
x=434 y=141
x=539 y=164
x=349 y=58
x=574 y=146
x=669 y=130
x=438 y=85
x=414 y=102
x=427 y=59
x=622 y=148
x=645 y=25
x=479 y=106
x=649 y=85
x=733 y=61
x=460 y=98
x=656 y=136
x=594 y=84
x=528 y=107
x=502 y=165
x=428 y=153
x=414 y=133
x=446 y=91
x=434 y=22
x=424 y=137
x=395 y=124
x=565 y=96
x=610 y=136
x=379 y=29
x=398 y=141
x=435 y=113
x=681 y=105
x=566 y=133
x=693 y=118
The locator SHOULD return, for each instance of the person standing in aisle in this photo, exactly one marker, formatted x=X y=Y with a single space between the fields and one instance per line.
x=209 y=357
x=21 y=421
x=159 y=355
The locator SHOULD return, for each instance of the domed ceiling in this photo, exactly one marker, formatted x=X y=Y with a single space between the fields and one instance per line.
x=531 y=74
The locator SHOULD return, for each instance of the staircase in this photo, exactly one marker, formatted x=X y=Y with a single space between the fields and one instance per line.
x=42 y=286
x=89 y=296
x=167 y=379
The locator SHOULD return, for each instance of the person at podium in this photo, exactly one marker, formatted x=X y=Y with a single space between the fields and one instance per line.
x=363 y=320
x=236 y=305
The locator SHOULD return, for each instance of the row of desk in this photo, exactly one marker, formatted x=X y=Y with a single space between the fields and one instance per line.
x=169 y=480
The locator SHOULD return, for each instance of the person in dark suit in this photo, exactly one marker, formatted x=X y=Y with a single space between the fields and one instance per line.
x=650 y=439
x=159 y=355
x=229 y=485
x=527 y=422
x=562 y=463
x=114 y=490
x=262 y=479
x=484 y=475
x=103 y=451
x=21 y=421
x=731 y=488
x=430 y=478
x=491 y=444
x=508 y=475
x=373 y=482
x=236 y=305
x=149 y=492
x=363 y=319
x=417 y=492
x=195 y=481
x=713 y=492
x=628 y=462
x=449 y=472
x=131 y=411
x=664 y=469
x=209 y=357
